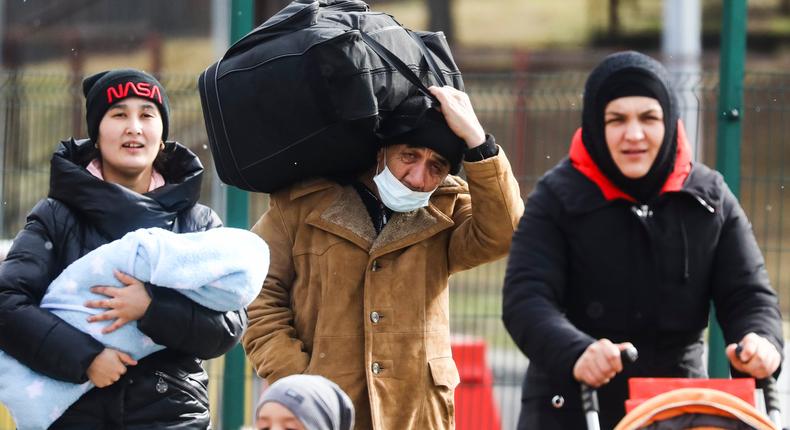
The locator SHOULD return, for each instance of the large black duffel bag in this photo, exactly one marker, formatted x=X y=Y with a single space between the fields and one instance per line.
x=304 y=93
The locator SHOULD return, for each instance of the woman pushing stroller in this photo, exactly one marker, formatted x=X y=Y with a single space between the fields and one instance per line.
x=627 y=242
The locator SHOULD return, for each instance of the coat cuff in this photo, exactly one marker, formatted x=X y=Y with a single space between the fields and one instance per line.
x=488 y=149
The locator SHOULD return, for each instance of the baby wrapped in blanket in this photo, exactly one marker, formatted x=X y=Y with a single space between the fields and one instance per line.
x=222 y=269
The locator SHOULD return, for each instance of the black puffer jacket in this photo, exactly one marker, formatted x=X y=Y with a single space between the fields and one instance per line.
x=166 y=389
x=583 y=267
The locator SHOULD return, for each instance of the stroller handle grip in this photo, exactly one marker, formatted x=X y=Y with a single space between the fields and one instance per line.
x=770 y=394
x=771 y=399
x=589 y=394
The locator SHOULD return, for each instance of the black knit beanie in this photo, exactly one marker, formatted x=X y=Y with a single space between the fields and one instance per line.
x=415 y=123
x=104 y=89
x=626 y=74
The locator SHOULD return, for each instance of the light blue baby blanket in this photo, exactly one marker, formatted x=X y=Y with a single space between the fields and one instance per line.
x=222 y=269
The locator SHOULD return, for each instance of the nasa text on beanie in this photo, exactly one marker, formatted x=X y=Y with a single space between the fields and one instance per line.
x=104 y=89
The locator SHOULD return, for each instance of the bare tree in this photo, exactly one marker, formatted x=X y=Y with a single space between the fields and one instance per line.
x=614 y=18
x=440 y=18
x=265 y=9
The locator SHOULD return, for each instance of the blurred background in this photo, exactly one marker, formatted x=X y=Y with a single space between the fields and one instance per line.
x=524 y=64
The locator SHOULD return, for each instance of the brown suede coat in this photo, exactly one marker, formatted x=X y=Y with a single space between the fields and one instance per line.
x=372 y=312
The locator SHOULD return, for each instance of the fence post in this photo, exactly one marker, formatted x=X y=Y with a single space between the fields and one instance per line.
x=76 y=60
x=728 y=139
x=10 y=158
x=233 y=393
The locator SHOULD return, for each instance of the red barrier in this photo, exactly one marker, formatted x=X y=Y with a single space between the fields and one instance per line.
x=474 y=400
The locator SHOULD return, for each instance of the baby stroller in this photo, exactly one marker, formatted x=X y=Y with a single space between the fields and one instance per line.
x=677 y=403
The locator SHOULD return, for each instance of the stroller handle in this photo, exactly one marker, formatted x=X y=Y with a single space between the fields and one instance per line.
x=590 y=395
x=771 y=398
x=770 y=394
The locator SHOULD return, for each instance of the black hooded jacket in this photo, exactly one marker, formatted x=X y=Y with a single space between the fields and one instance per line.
x=81 y=214
x=583 y=268
x=590 y=261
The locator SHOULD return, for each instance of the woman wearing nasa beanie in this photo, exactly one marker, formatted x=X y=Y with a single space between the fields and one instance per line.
x=124 y=177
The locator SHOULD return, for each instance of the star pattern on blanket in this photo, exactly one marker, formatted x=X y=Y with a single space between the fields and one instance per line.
x=70 y=286
x=94 y=330
x=36 y=401
x=97 y=265
x=146 y=341
x=35 y=389
x=215 y=268
x=56 y=413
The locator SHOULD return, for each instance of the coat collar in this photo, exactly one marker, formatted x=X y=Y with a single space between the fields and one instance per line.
x=592 y=190
x=341 y=212
x=582 y=161
x=115 y=210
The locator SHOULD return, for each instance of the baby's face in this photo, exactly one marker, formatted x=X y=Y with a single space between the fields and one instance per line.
x=274 y=416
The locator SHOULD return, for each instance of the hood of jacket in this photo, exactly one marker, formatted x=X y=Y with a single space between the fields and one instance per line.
x=584 y=187
x=622 y=74
x=115 y=209
x=584 y=163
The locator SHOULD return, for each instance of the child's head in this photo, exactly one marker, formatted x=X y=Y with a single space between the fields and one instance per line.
x=304 y=402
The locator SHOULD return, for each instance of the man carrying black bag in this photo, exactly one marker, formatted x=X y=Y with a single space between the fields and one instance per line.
x=357 y=289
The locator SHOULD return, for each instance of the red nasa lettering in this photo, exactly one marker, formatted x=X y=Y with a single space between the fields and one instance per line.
x=141 y=89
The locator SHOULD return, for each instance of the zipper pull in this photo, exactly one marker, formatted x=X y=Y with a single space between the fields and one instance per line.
x=642 y=211
x=161 y=386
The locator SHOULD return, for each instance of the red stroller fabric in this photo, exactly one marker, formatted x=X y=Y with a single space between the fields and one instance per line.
x=695 y=408
x=641 y=389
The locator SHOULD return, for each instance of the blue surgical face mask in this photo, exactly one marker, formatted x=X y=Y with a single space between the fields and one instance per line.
x=397 y=196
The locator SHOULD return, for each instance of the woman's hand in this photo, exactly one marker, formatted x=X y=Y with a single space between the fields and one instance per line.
x=599 y=363
x=125 y=304
x=758 y=358
x=459 y=114
x=108 y=367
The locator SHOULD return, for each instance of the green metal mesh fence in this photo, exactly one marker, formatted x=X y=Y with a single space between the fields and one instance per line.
x=533 y=117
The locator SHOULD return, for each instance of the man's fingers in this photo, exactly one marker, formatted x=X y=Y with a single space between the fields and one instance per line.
x=438 y=93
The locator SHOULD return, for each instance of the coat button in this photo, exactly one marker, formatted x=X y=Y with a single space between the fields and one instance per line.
x=557 y=401
x=375 y=317
x=375 y=368
x=375 y=266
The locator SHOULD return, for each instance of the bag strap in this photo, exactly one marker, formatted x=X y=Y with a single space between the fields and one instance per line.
x=393 y=60
x=345 y=5
x=437 y=72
